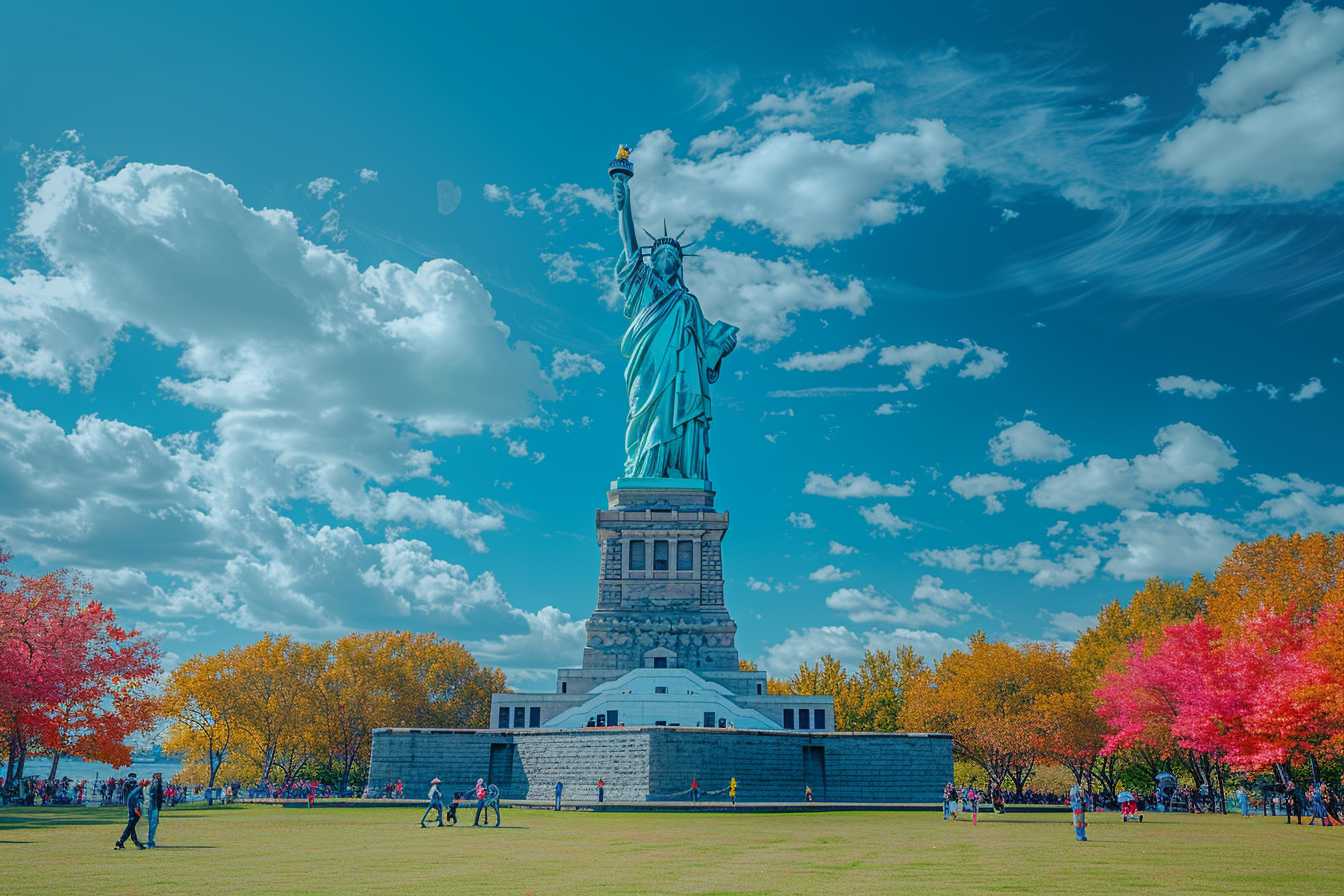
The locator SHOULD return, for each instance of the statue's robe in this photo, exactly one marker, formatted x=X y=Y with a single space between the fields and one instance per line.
x=672 y=356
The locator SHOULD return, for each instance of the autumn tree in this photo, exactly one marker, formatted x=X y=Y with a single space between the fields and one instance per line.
x=199 y=700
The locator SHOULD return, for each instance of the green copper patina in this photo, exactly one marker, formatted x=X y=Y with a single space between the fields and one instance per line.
x=672 y=353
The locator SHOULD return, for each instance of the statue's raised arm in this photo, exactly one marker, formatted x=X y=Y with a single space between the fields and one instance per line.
x=621 y=171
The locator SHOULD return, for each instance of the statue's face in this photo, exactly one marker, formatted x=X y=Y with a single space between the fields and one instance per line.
x=667 y=262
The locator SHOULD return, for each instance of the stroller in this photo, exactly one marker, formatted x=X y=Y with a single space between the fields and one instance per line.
x=1129 y=806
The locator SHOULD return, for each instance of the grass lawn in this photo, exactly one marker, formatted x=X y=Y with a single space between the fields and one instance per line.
x=265 y=849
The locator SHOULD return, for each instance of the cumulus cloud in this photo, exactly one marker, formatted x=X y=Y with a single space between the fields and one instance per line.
x=1309 y=390
x=1233 y=16
x=868 y=605
x=1271 y=391
x=880 y=517
x=368 y=175
x=1272 y=115
x=1027 y=440
x=985 y=485
x=1068 y=624
x=804 y=108
x=838 y=549
x=326 y=383
x=801 y=520
x=551 y=638
x=830 y=573
x=1298 y=501
x=763 y=296
x=828 y=361
x=1024 y=558
x=319 y=187
x=803 y=647
x=918 y=359
x=1187 y=455
x=1191 y=387
x=565 y=365
x=854 y=485
x=1172 y=545
x=805 y=191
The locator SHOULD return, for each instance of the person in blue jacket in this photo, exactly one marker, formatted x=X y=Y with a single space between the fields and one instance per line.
x=435 y=803
x=1079 y=806
x=135 y=798
x=559 y=790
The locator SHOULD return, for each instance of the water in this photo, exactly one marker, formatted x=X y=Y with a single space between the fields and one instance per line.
x=79 y=769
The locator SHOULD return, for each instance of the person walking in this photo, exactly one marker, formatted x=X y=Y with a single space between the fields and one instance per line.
x=134 y=801
x=601 y=786
x=559 y=790
x=950 y=801
x=1244 y=802
x=154 y=801
x=695 y=789
x=435 y=802
x=480 y=803
x=732 y=790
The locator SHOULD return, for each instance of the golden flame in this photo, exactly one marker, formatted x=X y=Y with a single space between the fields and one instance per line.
x=623 y=152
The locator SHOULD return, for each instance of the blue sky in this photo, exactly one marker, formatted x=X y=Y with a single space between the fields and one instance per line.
x=306 y=321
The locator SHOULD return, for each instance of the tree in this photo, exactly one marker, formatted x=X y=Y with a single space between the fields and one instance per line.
x=1296 y=571
x=986 y=697
x=71 y=681
x=200 y=701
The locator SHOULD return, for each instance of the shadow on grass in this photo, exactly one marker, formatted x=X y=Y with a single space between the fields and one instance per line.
x=162 y=846
x=28 y=818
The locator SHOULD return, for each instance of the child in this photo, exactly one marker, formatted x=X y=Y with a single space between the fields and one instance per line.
x=452 y=807
x=807 y=792
x=732 y=790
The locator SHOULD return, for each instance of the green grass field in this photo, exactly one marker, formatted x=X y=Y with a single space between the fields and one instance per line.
x=265 y=849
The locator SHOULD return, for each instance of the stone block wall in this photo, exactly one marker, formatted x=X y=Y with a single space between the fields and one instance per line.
x=658 y=763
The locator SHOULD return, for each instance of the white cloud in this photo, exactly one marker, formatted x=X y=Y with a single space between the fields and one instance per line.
x=565 y=365
x=828 y=361
x=1309 y=390
x=1152 y=544
x=852 y=485
x=1271 y=391
x=552 y=639
x=1274 y=115
x=918 y=359
x=767 y=586
x=890 y=408
x=1132 y=101
x=931 y=589
x=1077 y=565
x=1027 y=440
x=806 y=646
x=985 y=485
x=1187 y=455
x=1191 y=387
x=1008 y=214
x=319 y=187
x=867 y=605
x=830 y=573
x=564 y=201
x=1298 y=501
x=834 y=391
x=562 y=267
x=880 y=517
x=1234 y=16
x=803 y=108
x=326 y=384
x=841 y=550
x=706 y=145
x=762 y=296
x=368 y=175
x=803 y=190
x=801 y=520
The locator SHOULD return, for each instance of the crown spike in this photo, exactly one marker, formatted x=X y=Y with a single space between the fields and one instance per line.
x=664 y=227
x=685 y=246
x=683 y=230
x=646 y=230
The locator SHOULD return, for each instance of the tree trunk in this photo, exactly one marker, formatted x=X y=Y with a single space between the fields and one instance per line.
x=345 y=773
x=1315 y=769
x=23 y=756
x=214 y=760
x=55 y=761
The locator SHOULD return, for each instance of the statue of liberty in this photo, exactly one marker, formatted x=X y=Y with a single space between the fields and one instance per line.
x=672 y=354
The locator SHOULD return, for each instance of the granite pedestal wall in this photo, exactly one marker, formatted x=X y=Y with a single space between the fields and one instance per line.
x=643 y=764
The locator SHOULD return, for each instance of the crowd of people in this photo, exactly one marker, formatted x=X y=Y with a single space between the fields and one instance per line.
x=66 y=791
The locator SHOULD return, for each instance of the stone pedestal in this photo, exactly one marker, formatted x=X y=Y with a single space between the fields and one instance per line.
x=660 y=582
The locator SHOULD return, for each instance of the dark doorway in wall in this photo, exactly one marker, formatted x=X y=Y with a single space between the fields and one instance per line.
x=814 y=771
x=501 y=768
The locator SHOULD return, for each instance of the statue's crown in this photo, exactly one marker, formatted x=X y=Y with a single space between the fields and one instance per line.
x=665 y=240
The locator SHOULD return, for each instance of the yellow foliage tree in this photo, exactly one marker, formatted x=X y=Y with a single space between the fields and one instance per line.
x=1279 y=572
